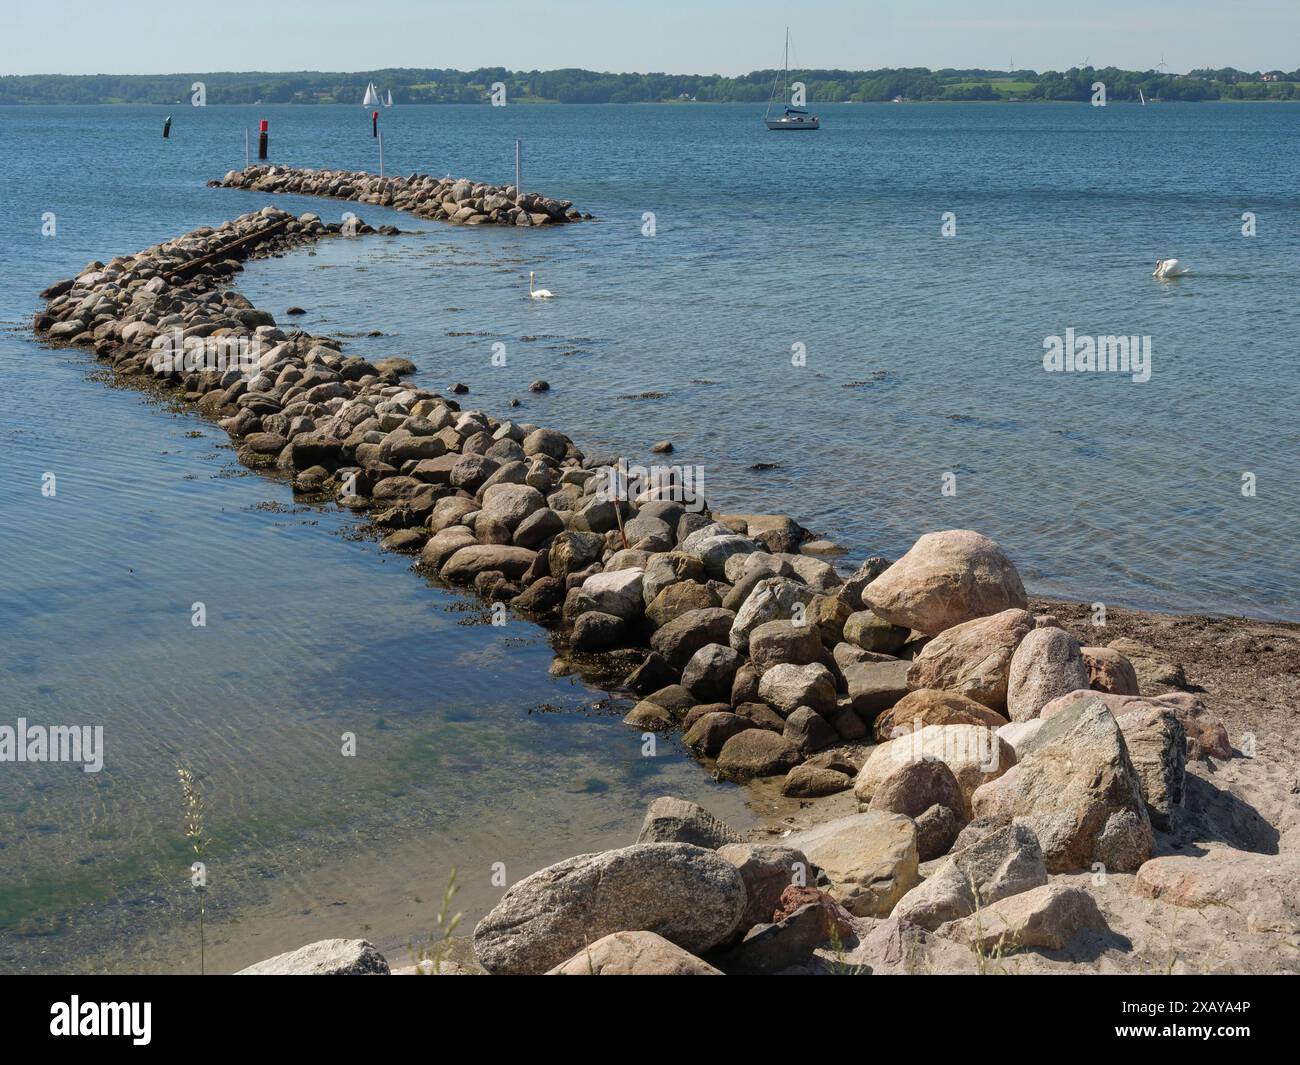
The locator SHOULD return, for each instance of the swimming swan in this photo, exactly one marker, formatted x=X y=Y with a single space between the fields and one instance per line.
x=544 y=293
x=1169 y=268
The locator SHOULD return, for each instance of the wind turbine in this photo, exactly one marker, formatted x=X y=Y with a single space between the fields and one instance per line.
x=1162 y=64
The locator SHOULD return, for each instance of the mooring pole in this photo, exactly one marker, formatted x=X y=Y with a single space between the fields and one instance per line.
x=245 y=147
x=381 y=155
x=374 y=123
x=167 y=128
x=262 y=139
x=519 y=157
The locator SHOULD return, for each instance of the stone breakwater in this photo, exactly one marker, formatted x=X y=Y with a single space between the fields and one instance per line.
x=455 y=200
x=1005 y=753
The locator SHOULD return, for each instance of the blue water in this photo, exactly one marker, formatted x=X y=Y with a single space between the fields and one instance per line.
x=924 y=357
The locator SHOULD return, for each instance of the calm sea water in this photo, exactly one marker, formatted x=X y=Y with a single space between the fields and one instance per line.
x=923 y=358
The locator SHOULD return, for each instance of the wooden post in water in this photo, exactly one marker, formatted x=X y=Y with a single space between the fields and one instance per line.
x=519 y=157
x=167 y=128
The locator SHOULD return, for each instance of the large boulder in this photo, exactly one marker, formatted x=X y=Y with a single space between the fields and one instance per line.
x=767 y=870
x=870 y=859
x=1206 y=735
x=1001 y=864
x=786 y=687
x=775 y=642
x=713 y=552
x=633 y=954
x=595 y=630
x=790 y=941
x=773 y=599
x=678 y=640
x=974 y=753
x=470 y=561
x=1075 y=786
x=974 y=658
x=1157 y=747
x=1048 y=663
x=756 y=752
x=874 y=687
x=672 y=820
x=926 y=706
x=670 y=568
x=709 y=732
x=1260 y=887
x=863 y=628
x=711 y=672
x=329 y=957
x=809 y=731
x=1042 y=918
x=946 y=578
x=1109 y=671
x=1156 y=674
x=686 y=894
x=677 y=599
x=914 y=787
x=617 y=593
x=572 y=552
x=510 y=504
x=444 y=545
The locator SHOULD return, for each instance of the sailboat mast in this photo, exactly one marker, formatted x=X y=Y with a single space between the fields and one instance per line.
x=785 y=68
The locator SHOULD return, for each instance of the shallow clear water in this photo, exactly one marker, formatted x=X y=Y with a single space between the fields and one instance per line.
x=923 y=357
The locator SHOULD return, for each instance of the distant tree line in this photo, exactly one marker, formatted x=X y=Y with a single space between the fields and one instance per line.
x=410 y=86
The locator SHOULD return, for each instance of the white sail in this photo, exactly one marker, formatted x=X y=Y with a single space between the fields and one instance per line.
x=388 y=102
x=372 y=96
x=1142 y=98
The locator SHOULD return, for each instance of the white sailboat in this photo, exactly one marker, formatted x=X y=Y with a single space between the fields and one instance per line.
x=388 y=101
x=372 y=96
x=1142 y=98
x=794 y=118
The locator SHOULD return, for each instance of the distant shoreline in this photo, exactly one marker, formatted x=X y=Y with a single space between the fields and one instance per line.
x=499 y=86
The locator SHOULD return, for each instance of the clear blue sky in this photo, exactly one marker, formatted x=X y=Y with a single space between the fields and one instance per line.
x=676 y=36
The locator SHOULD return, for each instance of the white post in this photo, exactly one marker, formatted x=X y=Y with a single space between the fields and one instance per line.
x=518 y=171
x=381 y=155
x=245 y=147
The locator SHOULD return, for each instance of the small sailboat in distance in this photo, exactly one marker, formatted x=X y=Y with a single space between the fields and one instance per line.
x=1142 y=98
x=794 y=118
x=388 y=100
x=372 y=96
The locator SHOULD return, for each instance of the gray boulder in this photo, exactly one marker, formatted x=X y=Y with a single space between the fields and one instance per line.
x=686 y=894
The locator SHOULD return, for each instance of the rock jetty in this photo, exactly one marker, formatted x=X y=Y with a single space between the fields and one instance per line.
x=456 y=200
x=1013 y=763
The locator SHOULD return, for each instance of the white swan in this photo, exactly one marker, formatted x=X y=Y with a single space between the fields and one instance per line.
x=1169 y=268
x=538 y=293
